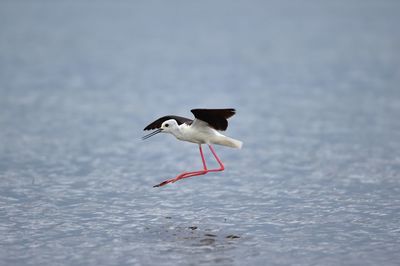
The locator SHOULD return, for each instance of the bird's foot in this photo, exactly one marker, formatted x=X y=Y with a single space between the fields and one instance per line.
x=163 y=183
x=181 y=176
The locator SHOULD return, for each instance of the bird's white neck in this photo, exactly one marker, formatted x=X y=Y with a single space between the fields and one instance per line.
x=177 y=131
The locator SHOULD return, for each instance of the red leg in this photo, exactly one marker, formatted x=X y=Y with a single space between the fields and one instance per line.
x=196 y=173
x=187 y=174
x=222 y=167
x=202 y=157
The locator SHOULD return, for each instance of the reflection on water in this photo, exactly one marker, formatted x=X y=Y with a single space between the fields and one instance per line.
x=315 y=87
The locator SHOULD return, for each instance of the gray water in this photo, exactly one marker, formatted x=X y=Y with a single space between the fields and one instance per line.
x=316 y=88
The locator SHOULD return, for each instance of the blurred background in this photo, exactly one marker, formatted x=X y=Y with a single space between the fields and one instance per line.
x=316 y=89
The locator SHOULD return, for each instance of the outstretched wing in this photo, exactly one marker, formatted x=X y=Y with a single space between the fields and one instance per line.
x=157 y=124
x=216 y=118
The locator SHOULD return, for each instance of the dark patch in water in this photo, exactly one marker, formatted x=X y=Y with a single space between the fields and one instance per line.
x=232 y=236
x=207 y=241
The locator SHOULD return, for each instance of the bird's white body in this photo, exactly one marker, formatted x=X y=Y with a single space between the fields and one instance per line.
x=198 y=132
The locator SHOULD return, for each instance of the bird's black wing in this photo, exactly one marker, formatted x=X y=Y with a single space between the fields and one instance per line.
x=157 y=124
x=216 y=118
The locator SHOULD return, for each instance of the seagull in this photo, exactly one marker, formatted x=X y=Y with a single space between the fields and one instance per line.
x=204 y=129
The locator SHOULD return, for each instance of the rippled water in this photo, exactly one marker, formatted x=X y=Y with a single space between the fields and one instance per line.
x=315 y=86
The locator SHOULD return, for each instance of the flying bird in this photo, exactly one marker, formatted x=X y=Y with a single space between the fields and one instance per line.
x=204 y=129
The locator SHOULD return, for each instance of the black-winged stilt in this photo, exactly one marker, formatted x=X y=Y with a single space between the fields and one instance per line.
x=202 y=130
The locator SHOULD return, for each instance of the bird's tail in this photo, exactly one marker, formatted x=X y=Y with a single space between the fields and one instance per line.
x=229 y=142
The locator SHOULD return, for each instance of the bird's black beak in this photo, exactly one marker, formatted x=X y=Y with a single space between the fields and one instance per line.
x=152 y=134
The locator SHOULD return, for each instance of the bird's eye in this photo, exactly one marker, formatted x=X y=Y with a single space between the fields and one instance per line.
x=166 y=125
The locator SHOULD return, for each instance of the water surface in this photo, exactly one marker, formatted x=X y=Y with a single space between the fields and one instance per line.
x=315 y=86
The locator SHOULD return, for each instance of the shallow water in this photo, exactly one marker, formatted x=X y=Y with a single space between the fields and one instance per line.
x=316 y=91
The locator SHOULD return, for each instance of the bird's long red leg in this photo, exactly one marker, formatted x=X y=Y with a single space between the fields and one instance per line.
x=188 y=174
x=196 y=173
x=205 y=171
x=222 y=167
x=202 y=158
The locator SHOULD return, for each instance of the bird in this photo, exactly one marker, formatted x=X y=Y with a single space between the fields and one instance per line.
x=203 y=129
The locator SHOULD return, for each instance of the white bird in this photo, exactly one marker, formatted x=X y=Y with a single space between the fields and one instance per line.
x=202 y=130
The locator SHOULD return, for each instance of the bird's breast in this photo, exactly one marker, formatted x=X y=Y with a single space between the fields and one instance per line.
x=193 y=136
